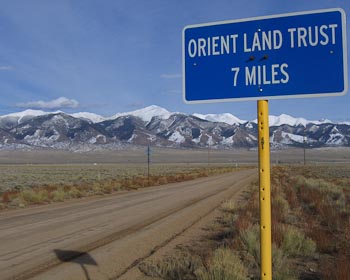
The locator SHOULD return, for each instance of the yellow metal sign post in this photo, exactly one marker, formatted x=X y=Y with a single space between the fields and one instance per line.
x=265 y=191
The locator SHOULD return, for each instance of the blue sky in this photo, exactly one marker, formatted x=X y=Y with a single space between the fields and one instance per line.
x=115 y=56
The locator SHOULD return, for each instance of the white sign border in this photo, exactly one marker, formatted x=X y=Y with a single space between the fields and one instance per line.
x=325 y=94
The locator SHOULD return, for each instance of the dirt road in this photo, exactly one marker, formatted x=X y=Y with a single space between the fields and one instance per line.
x=103 y=238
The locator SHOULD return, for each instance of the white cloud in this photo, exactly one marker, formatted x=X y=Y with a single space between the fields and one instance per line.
x=61 y=102
x=171 y=76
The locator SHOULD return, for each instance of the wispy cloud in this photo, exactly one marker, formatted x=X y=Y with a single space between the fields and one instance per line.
x=59 y=103
x=136 y=104
x=172 y=92
x=171 y=76
x=6 y=68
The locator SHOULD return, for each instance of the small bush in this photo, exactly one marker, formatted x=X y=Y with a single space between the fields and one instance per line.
x=58 y=195
x=224 y=265
x=97 y=190
x=27 y=195
x=117 y=186
x=300 y=181
x=229 y=220
x=34 y=197
x=16 y=202
x=107 y=189
x=228 y=206
x=180 y=266
x=171 y=179
x=139 y=182
x=188 y=177
x=43 y=196
x=126 y=183
x=251 y=241
x=280 y=267
x=5 y=197
x=295 y=243
x=74 y=193
x=280 y=208
x=162 y=180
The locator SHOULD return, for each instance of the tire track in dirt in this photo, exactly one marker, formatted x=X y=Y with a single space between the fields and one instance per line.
x=103 y=223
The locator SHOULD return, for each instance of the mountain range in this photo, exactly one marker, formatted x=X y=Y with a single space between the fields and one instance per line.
x=153 y=125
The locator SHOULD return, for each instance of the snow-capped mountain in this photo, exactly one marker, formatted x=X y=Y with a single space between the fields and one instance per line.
x=289 y=120
x=94 y=118
x=24 y=115
x=146 y=114
x=157 y=126
x=225 y=118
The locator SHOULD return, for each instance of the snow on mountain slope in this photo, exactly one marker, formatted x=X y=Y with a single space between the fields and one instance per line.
x=286 y=119
x=226 y=118
x=27 y=114
x=289 y=120
x=177 y=137
x=336 y=139
x=89 y=116
x=292 y=137
x=60 y=130
x=146 y=114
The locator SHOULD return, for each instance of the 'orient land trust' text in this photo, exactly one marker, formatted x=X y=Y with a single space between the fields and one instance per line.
x=299 y=37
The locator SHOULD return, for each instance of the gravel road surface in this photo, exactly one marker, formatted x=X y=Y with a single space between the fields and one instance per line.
x=104 y=238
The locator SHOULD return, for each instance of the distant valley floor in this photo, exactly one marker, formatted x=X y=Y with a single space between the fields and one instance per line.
x=138 y=155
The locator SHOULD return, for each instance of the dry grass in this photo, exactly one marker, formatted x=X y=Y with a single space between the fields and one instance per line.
x=320 y=196
x=310 y=226
x=228 y=206
x=310 y=229
x=180 y=266
x=225 y=264
x=58 y=183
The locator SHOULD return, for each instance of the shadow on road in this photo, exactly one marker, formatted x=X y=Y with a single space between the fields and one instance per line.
x=81 y=258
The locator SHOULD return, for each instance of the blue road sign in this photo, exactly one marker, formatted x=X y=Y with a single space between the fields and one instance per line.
x=282 y=56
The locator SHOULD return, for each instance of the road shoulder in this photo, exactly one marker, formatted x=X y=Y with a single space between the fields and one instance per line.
x=196 y=236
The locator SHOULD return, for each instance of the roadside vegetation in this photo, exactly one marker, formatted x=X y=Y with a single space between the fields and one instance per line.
x=24 y=185
x=310 y=232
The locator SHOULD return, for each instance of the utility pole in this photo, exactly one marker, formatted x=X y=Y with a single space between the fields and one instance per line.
x=304 y=142
x=208 y=154
x=148 y=161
